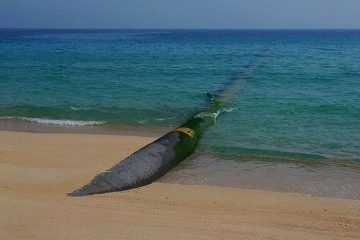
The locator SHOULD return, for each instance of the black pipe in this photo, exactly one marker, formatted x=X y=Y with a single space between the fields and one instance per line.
x=150 y=162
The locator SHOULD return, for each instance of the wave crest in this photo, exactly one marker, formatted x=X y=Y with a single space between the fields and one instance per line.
x=62 y=122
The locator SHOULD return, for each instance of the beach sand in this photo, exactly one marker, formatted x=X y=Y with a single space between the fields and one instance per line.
x=38 y=169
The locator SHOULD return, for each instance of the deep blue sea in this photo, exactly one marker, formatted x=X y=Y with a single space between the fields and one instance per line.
x=299 y=107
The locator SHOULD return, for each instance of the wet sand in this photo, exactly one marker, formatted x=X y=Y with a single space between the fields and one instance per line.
x=38 y=169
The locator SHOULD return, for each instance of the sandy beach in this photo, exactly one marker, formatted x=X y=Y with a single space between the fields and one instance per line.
x=37 y=170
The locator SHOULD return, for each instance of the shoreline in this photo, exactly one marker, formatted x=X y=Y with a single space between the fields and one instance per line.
x=196 y=170
x=37 y=170
x=19 y=125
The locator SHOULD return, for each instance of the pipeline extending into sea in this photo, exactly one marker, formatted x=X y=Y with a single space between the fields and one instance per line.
x=157 y=158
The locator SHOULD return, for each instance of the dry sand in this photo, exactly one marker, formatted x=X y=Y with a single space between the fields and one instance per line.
x=38 y=169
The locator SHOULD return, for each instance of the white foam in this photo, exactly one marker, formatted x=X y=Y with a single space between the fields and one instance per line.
x=163 y=119
x=78 y=108
x=74 y=108
x=229 y=109
x=63 y=122
x=214 y=115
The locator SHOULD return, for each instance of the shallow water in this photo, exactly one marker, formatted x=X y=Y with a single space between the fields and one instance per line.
x=330 y=178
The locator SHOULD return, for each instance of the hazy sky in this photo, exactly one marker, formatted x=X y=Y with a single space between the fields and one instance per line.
x=180 y=13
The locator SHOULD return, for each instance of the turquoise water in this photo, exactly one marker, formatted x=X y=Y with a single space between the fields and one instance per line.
x=302 y=97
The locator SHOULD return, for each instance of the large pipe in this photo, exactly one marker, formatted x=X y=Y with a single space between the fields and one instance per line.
x=157 y=158
x=150 y=162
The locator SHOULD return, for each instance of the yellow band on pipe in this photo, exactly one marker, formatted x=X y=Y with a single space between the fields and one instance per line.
x=187 y=131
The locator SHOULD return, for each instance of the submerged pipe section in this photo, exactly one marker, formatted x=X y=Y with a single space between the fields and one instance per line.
x=157 y=158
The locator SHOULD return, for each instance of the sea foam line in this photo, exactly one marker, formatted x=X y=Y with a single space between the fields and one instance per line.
x=63 y=122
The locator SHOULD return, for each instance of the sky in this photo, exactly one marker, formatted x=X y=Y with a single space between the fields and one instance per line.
x=248 y=14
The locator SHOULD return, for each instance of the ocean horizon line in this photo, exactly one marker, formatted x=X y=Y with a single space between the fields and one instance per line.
x=184 y=29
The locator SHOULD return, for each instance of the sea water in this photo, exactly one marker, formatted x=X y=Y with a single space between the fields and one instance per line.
x=293 y=126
